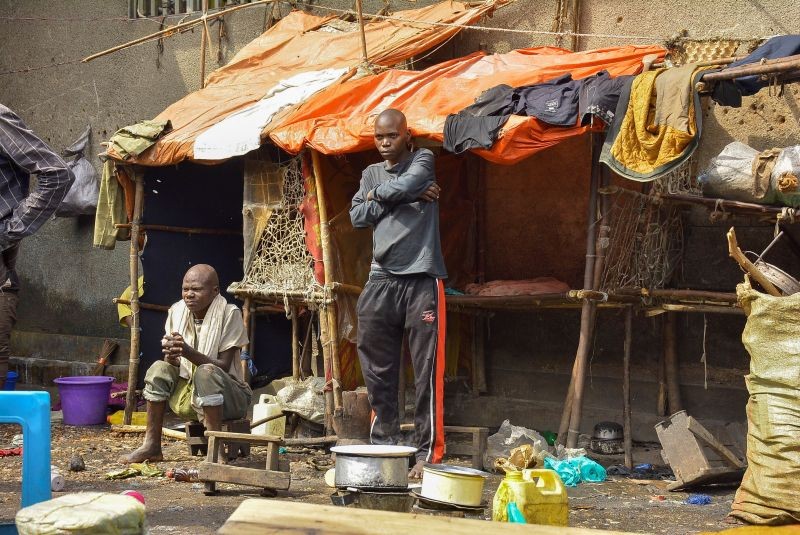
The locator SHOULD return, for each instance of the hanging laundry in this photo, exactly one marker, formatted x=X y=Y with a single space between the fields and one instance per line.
x=730 y=92
x=657 y=124
x=478 y=125
x=553 y=102
x=135 y=139
x=599 y=96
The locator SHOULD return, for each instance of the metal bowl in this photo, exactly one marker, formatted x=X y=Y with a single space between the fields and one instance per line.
x=608 y=431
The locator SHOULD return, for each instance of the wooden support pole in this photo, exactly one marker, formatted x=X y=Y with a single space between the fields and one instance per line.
x=204 y=36
x=661 y=400
x=626 y=389
x=144 y=306
x=671 y=364
x=295 y=341
x=359 y=11
x=327 y=319
x=571 y=415
x=748 y=266
x=786 y=64
x=246 y=312
x=481 y=321
x=133 y=360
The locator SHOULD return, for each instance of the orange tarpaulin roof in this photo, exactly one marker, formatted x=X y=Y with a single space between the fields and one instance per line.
x=340 y=119
x=296 y=45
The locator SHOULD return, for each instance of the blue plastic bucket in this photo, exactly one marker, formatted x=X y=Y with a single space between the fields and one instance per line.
x=11 y=381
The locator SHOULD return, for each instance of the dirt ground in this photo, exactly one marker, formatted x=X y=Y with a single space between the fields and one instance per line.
x=182 y=507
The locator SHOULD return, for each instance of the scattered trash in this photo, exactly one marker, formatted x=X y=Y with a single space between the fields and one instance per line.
x=76 y=463
x=506 y=439
x=643 y=467
x=136 y=469
x=514 y=514
x=522 y=457
x=282 y=450
x=183 y=474
x=550 y=437
x=133 y=494
x=698 y=499
x=17 y=441
x=57 y=482
x=658 y=498
x=10 y=452
x=642 y=471
x=575 y=470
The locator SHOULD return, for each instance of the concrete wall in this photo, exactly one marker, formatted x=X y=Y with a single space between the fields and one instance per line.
x=68 y=286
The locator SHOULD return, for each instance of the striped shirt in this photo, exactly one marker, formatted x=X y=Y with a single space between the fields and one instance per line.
x=22 y=154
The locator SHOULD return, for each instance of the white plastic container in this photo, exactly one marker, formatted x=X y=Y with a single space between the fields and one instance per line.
x=268 y=406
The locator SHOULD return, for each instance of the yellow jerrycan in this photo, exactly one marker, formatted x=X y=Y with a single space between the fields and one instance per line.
x=539 y=494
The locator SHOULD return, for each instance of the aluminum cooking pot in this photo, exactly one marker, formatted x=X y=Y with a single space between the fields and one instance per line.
x=372 y=467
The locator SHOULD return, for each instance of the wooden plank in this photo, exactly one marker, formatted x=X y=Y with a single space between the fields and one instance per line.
x=463 y=429
x=703 y=434
x=260 y=517
x=252 y=477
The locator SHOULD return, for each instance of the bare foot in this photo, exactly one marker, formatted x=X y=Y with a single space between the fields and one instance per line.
x=416 y=470
x=145 y=453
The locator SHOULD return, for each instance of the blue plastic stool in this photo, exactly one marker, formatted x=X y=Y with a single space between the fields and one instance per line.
x=31 y=410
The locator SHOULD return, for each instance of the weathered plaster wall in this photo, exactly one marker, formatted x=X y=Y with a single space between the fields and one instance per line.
x=68 y=285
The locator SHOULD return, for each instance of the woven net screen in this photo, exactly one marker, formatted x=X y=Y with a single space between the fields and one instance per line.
x=645 y=241
x=277 y=261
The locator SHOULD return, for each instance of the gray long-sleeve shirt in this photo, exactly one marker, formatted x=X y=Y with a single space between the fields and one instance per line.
x=23 y=212
x=405 y=236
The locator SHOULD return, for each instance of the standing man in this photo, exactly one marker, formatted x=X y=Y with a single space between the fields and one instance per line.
x=22 y=212
x=398 y=199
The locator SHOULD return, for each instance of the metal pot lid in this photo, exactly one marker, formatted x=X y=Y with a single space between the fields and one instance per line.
x=453 y=469
x=374 y=450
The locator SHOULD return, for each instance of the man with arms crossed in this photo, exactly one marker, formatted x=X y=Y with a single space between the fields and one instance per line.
x=398 y=199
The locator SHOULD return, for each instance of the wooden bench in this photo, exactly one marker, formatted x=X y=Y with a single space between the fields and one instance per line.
x=212 y=471
x=198 y=444
x=475 y=449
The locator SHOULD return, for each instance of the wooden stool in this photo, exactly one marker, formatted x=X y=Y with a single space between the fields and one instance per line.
x=271 y=479
x=475 y=450
x=198 y=444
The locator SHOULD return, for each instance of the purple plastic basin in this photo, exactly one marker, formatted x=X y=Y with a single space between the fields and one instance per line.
x=84 y=399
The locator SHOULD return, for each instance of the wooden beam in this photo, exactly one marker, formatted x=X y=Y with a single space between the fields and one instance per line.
x=786 y=64
x=252 y=477
x=748 y=266
x=627 y=429
x=133 y=359
x=184 y=230
x=146 y=306
x=671 y=365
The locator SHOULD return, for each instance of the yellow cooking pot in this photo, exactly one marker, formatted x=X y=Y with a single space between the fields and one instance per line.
x=458 y=485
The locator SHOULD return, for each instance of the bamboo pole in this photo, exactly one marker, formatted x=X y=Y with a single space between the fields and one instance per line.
x=331 y=347
x=133 y=360
x=722 y=204
x=661 y=400
x=786 y=64
x=711 y=309
x=166 y=32
x=571 y=415
x=481 y=321
x=362 y=33
x=626 y=389
x=295 y=352
x=204 y=40
x=184 y=230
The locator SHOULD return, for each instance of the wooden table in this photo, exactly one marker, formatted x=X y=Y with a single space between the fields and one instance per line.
x=258 y=517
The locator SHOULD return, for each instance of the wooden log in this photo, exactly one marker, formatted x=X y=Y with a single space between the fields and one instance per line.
x=266 y=420
x=310 y=441
x=704 y=309
x=671 y=365
x=627 y=429
x=571 y=417
x=133 y=359
x=171 y=433
x=244 y=437
x=685 y=294
x=661 y=400
x=350 y=289
x=252 y=477
x=293 y=295
x=146 y=306
x=362 y=34
x=748 y=266
x=594 y=295
x=331 y=348
x=184 y=230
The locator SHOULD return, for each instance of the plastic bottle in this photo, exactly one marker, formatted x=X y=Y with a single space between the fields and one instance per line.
x=268 y=406
x=57 y=481
x=137 y=418
x=185 y=474
x=538 y=493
